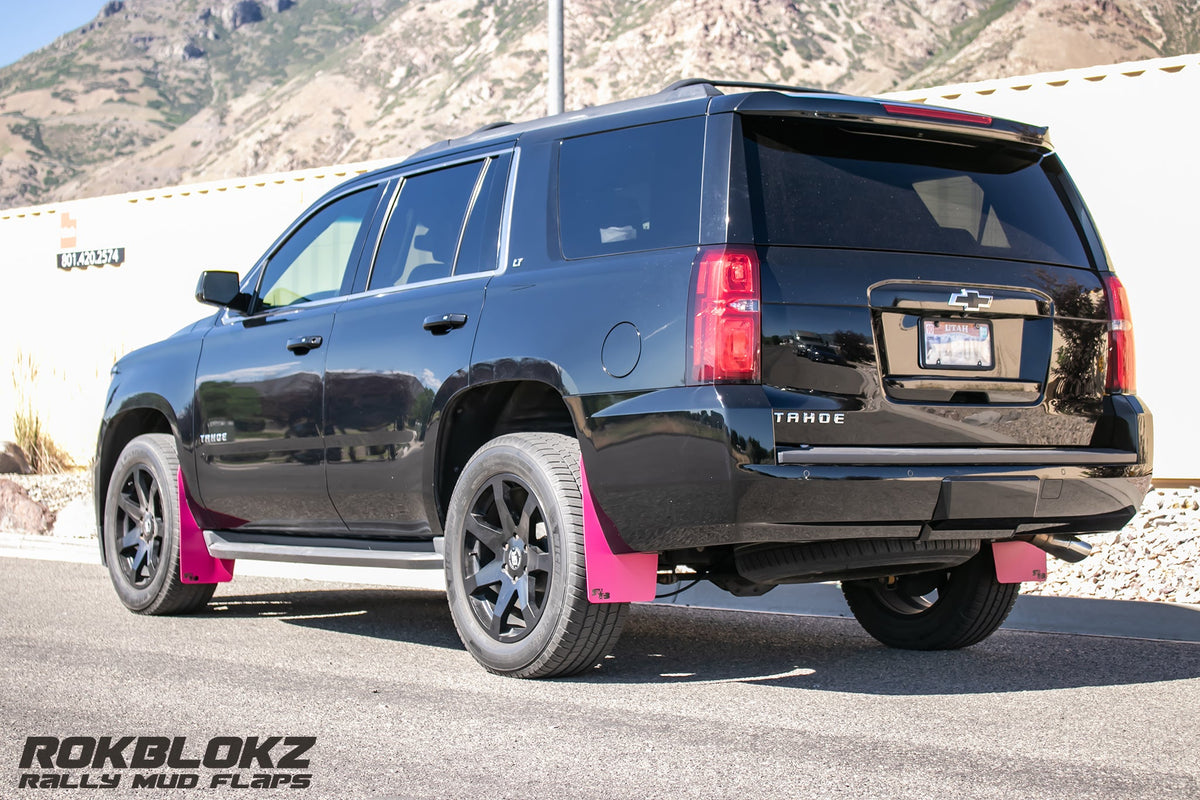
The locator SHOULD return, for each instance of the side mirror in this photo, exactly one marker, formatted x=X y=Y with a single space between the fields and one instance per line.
x=220 y=288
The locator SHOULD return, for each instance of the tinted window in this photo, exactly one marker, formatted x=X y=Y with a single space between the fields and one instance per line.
x=313 y=263
x=423 y=230
x=633 y=189
x=481 y=237
x=833 y=186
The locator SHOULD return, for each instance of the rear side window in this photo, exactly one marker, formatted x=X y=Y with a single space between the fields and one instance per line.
x=480 y=245
x=826 y=185
x=632 y=189
x=422 y=233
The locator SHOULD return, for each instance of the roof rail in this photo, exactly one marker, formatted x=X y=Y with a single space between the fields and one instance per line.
x=743 y=85
x=682 y=92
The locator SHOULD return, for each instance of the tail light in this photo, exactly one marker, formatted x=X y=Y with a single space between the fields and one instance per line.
x=726 y=316
x=1122 y=366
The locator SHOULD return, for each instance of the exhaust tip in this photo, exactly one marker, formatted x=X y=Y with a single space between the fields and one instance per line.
x=1066 y=548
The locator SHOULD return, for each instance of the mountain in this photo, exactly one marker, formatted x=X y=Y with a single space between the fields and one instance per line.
x=153 y=93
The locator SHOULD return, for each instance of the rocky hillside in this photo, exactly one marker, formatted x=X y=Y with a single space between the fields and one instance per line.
x=152 y=92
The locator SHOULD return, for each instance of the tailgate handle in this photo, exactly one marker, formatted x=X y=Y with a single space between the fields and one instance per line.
x=441 y=324
x=302 y=344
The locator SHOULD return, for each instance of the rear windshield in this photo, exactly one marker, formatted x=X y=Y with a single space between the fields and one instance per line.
x=829 y=185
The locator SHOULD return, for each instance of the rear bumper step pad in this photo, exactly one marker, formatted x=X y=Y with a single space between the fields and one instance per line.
x=954 y=456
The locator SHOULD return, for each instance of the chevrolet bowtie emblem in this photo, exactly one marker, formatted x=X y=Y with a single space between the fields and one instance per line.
x=970 y=299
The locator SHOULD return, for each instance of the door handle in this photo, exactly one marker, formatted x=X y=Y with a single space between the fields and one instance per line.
x=441 y=324
x=302 y=344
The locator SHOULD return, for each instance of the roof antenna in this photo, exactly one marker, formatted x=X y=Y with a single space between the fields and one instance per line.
x=555 y=92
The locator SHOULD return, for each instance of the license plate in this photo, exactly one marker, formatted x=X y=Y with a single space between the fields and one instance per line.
x=956 y=344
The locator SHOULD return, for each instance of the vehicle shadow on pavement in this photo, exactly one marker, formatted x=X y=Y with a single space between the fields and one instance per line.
x=405 y=615
x=664 y=644
x=678 y=645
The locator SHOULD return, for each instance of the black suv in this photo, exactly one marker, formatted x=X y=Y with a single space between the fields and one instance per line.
x=756 y=336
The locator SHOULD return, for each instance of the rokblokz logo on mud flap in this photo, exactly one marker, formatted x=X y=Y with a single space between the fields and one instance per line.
x=160 y=762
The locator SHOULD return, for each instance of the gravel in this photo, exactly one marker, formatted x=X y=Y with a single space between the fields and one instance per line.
x=56 y=492
x=1155 y=557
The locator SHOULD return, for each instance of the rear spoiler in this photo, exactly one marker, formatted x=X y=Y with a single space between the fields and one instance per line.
x=841 y=108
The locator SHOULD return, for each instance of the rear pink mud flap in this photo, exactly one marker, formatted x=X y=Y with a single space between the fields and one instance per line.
x=195 y=564
x=1018 y=562
x=612 y=577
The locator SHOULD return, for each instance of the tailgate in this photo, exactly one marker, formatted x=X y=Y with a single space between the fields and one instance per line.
x=920 y=288
x=908 y=350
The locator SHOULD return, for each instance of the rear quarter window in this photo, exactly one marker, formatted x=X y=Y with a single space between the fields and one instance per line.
x=832 y=185
x=633 y=189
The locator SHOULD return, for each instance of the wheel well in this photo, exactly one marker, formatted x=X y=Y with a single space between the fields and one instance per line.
x=121 y=431
x=481 y=414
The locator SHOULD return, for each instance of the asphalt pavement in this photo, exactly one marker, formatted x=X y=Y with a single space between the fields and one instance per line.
x=693 y=702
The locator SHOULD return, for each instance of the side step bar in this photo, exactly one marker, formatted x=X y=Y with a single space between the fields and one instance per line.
x=313 y=550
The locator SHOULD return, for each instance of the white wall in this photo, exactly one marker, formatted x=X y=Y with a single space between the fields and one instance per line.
x=1128 y=133
x=75 y=323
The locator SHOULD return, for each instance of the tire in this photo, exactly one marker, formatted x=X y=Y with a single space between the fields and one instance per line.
x=515 y=573
x=141 y=530
x=940 y=610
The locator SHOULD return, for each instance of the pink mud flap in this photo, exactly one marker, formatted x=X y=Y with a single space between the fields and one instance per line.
x=1018 y=562
x=195 y=564
x=612 y=577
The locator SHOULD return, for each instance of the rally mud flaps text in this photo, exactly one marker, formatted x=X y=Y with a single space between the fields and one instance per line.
x=160 y=762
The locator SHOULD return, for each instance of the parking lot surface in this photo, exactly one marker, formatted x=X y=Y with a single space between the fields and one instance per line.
x=693 y=702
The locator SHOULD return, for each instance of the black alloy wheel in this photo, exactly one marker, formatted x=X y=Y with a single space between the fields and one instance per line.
x=141 y=530
x=141 y=523
x=516 y=576
x=506 y=558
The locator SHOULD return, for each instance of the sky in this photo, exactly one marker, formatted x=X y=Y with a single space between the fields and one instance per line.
x=29 y=26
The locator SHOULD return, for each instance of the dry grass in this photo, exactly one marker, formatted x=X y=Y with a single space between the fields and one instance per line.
x=44 y=454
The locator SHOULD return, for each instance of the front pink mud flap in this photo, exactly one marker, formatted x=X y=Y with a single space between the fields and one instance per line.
x=612 y=577
x=195 y=564
x=1018 y=562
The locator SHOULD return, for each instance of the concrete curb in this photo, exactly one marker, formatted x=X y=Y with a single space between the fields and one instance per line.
x=1069 y=615
x=49 y=548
